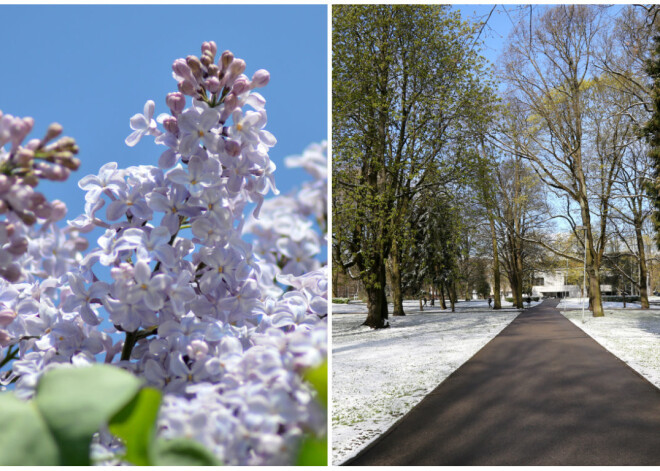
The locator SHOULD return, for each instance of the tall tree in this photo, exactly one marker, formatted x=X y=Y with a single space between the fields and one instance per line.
x=652 y=130
x=549 y=69
x=402 y=78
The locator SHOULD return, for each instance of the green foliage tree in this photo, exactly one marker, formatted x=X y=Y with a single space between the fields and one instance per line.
x=405 y=79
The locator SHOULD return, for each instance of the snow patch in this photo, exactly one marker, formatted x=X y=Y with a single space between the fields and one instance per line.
x=633 y=335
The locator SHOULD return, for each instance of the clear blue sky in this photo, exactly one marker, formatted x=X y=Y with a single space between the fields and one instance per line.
x=92 y=67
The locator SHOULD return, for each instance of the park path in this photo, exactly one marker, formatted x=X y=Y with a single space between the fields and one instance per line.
x=542 y=392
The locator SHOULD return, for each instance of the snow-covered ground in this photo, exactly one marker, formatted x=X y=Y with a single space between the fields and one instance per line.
x=379 y=375
x=576 y=303
x=631 y=334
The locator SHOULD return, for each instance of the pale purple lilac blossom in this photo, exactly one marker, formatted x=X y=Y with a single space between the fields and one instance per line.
x=224 y=327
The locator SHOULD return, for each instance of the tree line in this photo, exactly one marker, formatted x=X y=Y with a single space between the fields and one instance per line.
x=446 y=169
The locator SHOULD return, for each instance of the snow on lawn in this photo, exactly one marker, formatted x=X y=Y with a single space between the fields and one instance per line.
x=633 y=335
x=576 y=303
x=379 y=375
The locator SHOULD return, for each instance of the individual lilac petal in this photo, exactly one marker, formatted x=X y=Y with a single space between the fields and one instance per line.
x=178 y=175
x=133 y=138
x=159 y=202
x=115 y=210
x=88 y=315
x=142 y=272
x=256 y=101
x=167 y=159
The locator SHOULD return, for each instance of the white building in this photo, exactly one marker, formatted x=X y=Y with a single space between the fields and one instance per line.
x=552 y=284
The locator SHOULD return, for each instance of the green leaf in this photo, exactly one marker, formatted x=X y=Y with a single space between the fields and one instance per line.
x=135 y=424
x=24 y=436
x=75 y=402
x=318 y=377
x=182 y=452
x=313 y=452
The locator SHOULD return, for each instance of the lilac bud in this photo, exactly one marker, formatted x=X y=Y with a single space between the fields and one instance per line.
x=260 y=78
x=171 y=125
x=3 y=207
x=18 y=246
x=80 y=244
x=66 y=143
x=180 y=68
x=57 y=173
x=12 y=273
x=209 y=47
x=33 y=144
x=30 y=179
x=54 y=130
x=58 y=210
x=5 y=183
x=27 y=218
x=240 y=85
x=187 y=88
x=7 y=316
x=19 y=129
x=176 y=102
x=212 y=84
x=72 y=163
x=213 y=70
x=10 y=228
x=225 y=59
x=233 y=148
x=24 y=158
x=195 y=66
x=206 y=60
x=237 y=67
x=43 y=211
x=36 y=199
x=5 y=339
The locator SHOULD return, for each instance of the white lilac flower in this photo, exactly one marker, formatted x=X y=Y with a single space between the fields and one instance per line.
x=109 y=178
x=81 y=298
x=197 y=123
x=143 y=124
x=153 y=245
x=198 y=177
x=147 y=289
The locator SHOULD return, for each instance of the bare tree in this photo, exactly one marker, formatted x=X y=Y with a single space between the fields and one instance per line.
x=549 y=70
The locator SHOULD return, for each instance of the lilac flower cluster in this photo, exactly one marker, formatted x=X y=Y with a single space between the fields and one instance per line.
x=21 y=169
x=174 y=292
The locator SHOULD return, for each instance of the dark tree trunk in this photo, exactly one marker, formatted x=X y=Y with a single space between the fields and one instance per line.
x=377 y=301
x=395 y=278
x=443 y=305
x=643 y=288
x=452 y=296
x=497 y=302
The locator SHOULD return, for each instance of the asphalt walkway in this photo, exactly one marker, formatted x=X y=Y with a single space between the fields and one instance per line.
x=541 y=392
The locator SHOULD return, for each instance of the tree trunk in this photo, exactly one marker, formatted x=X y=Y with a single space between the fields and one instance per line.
x=377 y=301
x=497 y=303
x=595 y=300
x=518 y=295
x=452 y=296
x=643 y=288
x=395 y=278
x=443 y=305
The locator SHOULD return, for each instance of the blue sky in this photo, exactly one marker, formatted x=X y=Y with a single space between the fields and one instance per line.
x=92 y=67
